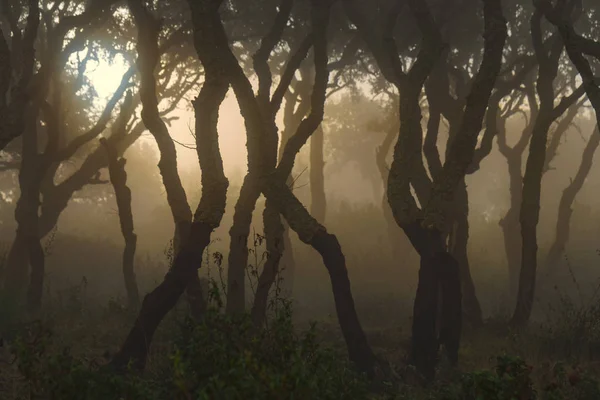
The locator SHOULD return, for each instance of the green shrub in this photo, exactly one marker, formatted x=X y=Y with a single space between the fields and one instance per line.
x=220 y=358
x=510 y=380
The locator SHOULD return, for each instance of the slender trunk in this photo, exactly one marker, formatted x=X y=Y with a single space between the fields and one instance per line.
x=311 y=232
x=459 y=250
x=275 y=243
x=510 y=223
x=529 y=217
x=318 y=205
x=291 y=119
x=563 y=223
x=399 y=243
x=118 y=178
x=358 y=348
x=536 y=160
x=133 y=294
x=238 y=247
x=287 y=264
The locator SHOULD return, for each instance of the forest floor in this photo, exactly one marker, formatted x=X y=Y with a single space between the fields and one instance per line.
x=559 y=357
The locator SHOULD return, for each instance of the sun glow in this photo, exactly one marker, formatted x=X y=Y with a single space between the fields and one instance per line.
x=105 y=75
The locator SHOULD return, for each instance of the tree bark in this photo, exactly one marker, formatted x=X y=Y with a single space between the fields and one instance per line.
x=17 y=62
x=424 y=227
x=291 y=120
x=118 y=179
x=274 y=231
x=534 y=169
x=161 y=300
x=510 y=222
x=318 y=205
x=148 y=57
x=238 y=247
x=269 y=105
x=211 y=44
x=207 y=217
x=577 y=47
x=459 y=250
x=437 y=89
x=563 y=223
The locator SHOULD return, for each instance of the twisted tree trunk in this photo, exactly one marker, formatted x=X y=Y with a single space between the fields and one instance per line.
x=262 y=143
x=148 y=57
x=118 y=179
x=563 y=222
x=207 y=217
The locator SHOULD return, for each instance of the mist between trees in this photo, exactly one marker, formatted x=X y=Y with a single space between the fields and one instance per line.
x=422 y=164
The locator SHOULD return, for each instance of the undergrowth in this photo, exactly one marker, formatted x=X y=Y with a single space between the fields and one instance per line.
x=219 y=358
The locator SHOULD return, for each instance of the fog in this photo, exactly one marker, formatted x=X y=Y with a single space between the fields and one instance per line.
x=418 y=177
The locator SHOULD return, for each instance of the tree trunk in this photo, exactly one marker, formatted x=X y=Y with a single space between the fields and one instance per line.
x=459 y=250
x=510 y=223
x=212 y=46
x=238 y=247
x=530 y=205
x=133 y=294
x=563 y=223
x=358 y=348
x=148 y=58
x=27 y=248
x=207 y=217
x=36 y=281
x=318 y=205
x=161 y=300
x=327 y=245
x=274 y=231
x=287 y=264
x=118 y=178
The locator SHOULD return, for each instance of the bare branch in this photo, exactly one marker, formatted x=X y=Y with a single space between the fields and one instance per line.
x=268 y=43
x=290 y=70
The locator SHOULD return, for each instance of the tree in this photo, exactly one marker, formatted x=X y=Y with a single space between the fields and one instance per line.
x=18 y=67
x=546 y=113
x=424 y=226
x=270 y=48
x=577 y=47
x=209 y=211
x=118 y=179
x=262 y=141
x=38 y=168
